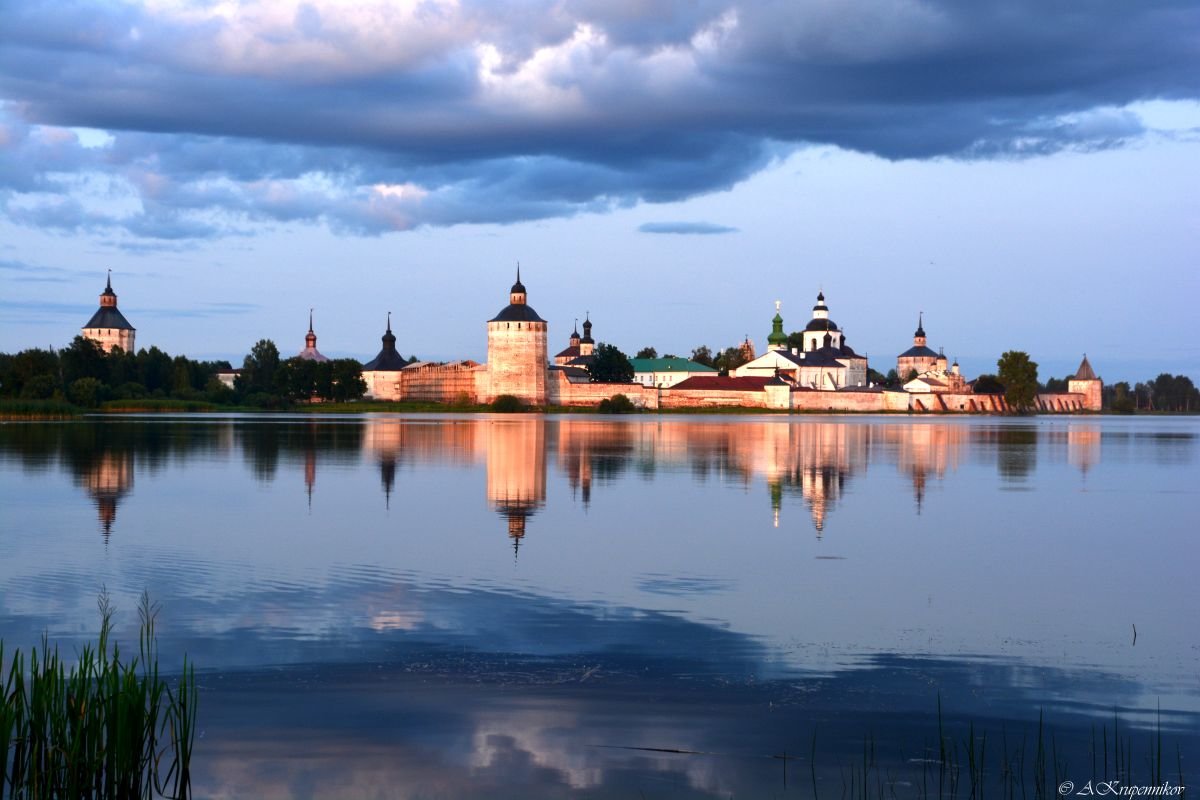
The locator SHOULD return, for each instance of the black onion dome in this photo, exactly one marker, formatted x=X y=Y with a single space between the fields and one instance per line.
x=821 y=325
x=517 y=287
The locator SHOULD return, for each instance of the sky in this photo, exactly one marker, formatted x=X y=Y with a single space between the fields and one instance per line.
x=1022 y=172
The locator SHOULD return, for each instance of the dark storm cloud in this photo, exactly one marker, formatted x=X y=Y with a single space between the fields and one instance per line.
x=703 y=228
x=378 y=118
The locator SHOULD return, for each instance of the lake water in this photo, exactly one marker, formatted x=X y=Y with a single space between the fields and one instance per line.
x=658 y=606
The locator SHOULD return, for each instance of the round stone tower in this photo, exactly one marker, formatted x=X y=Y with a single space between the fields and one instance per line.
x=517 y=360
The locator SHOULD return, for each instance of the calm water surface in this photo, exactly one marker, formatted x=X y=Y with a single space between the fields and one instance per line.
x=526 y=606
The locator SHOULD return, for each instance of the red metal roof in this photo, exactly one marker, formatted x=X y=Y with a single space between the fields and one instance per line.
x=728 y=383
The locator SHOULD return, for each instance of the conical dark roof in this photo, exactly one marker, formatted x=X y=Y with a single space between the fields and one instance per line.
x=109 y=317
x=1085 y=372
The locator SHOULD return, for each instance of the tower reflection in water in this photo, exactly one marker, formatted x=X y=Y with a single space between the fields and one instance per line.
x=107 y=480
x=516 y=471
x=815 y=461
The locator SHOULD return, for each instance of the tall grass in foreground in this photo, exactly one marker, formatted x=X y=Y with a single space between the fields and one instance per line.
x=103 y=728
x=971 y=767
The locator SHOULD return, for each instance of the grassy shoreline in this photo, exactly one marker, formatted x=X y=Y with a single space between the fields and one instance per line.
x=48 y=410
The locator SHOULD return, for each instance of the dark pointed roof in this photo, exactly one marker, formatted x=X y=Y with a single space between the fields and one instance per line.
x=518 y=286
x=587 y=329
x=388 y=359
x=1085 y=372
x=919 y=351
x=517 y=312
x=109 y=317
x=920 y=331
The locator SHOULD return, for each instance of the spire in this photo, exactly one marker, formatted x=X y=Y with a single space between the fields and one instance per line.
x=920 y=324
x=389 y=338
x=517 y=292
x=1085 y=371
x=108 y=298
x=310 y=330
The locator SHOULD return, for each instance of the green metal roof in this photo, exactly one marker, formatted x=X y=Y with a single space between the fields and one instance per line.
x=667 y=365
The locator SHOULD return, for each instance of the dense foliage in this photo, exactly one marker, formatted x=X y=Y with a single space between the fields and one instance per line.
x=617 y=404
x=1018 y=373
x=726 y=360
x=85 y=376
x=610 y=365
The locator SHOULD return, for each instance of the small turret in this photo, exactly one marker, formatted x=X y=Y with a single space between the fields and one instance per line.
x=310 y=352
x=108 y=298
x=587 y=345
x=919 y=335
x=516 y=295
x=777 y=340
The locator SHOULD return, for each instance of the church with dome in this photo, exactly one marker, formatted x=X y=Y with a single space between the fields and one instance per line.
x=823 y=361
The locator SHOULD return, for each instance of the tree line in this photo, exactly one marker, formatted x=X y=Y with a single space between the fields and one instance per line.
x=83 y=374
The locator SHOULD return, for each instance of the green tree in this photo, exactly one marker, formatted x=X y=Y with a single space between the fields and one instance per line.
x=155 y=370
x=83 y=358
x=892 y=380
x=348 y=383
x=258 y=369
x=18 y=370
x=647 y=352
x=1019 y=376
x=729 y=359
x=87 y=392
x=1057 y=384
x=40 y=387
x=610 y=365
x=988 y=384
x=1121 y=402
x=702 y=355
x=296 y=380
x=617 y=404
x=1174 y=393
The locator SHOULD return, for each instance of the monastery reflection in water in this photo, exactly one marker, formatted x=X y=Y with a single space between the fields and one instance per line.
x=813 y=460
